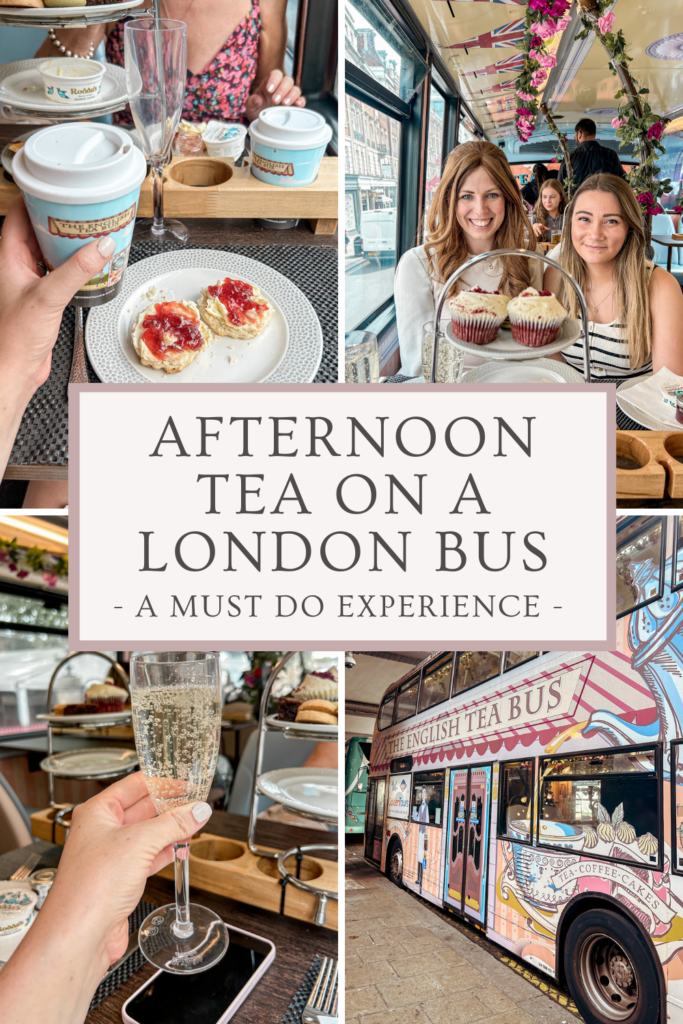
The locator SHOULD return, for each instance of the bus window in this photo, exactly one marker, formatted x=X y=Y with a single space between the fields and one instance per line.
x=406 y=699
x=427 y=804
x=640 y=567
x=514 y=800
x=436 y=683
x=434 y=144
x=475 y=667
x=677 y=803
x=677 y=557
x=515 y=658
x=386 y=712
x=606 y=805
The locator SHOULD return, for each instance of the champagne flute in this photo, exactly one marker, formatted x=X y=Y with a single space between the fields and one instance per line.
x=155 y=53
x=176 y=707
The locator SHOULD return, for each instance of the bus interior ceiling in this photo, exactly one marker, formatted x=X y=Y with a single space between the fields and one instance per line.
x=453 y=65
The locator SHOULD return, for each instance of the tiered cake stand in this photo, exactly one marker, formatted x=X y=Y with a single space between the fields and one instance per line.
x=504 y=348
x=65 y=17
x=62 y=17
x=297 y=731
x=99 y=721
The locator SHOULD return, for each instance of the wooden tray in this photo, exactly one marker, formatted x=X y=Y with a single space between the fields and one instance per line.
x=204 y=186
x=43 y=825
x=660 y=471
x=227 y=867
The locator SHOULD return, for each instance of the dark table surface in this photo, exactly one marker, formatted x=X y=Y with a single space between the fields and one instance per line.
x=296 y=943
x=221 y=232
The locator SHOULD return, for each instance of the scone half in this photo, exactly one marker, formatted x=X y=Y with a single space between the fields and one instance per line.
x=235 y=309
x=169 y=336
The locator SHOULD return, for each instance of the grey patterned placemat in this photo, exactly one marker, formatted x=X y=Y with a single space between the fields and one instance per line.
x=131 y=965
x=43 y=436
x=295 y=1009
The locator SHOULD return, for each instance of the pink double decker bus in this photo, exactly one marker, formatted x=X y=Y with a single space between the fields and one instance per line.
x=539 y=795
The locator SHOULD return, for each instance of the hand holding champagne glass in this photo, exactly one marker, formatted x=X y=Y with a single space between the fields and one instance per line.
x=176 y=704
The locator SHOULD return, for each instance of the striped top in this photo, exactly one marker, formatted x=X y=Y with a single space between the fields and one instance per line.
x=608 y=343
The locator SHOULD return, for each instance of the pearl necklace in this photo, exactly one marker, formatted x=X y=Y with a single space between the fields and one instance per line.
x=68 y=53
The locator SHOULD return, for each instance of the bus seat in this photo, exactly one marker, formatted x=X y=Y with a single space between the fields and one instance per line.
x=662 y=224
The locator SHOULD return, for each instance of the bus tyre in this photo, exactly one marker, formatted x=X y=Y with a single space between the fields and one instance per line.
x=396 y=864
x=610 y=970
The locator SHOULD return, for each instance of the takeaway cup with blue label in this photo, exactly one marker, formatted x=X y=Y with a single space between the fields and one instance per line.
x=287 y=145
x=79 y=182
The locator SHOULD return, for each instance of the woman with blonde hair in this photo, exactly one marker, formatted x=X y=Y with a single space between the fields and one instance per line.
x=546 y=218
x=635 y=308
x=477 y=208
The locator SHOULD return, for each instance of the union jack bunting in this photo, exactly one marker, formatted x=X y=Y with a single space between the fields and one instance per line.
x=505 y=35
x=500 y=87
x=514 y=63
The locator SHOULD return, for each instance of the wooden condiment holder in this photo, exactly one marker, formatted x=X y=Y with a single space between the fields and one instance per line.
x=211 y=186
x=227 y=867
x=659 y=470
x=43 y=825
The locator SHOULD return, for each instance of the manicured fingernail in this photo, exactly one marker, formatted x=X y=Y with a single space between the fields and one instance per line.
x=201 y=812
x=287 y=101
x=106 y=246
x=277 y=97
x=270 y=88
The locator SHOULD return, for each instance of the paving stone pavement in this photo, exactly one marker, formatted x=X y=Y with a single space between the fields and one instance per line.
x=405 y=964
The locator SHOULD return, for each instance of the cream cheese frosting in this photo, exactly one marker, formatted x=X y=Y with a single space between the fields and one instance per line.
x=533 y=305
x=477 y=302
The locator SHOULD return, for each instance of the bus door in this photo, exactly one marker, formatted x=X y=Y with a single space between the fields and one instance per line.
x=374 y=819
x=467 y=847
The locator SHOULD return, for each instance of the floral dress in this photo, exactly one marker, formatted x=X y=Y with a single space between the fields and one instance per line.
x=222 y=89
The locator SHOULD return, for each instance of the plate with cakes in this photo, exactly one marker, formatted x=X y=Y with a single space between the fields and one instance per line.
x=35 y=13
x=103 y=704
x=491 y=325
x=204 y=316
x=311 y=711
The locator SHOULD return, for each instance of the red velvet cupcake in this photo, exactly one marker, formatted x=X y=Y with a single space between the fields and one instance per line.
x=477 y=315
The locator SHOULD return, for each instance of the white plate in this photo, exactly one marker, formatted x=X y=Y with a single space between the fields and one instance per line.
x=312 y=792
x=101 y=718
x=543 y=371
x=503 y=347
x=21 y=86
x=106 y=762
x=645 y=420
x=92 y=15
x=317 y=729
x=288 y=351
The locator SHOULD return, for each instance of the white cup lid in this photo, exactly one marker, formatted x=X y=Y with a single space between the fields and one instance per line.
x=290 y=128
x=73 y=163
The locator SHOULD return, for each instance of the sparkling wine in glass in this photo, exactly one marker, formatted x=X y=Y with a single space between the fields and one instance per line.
x=155 y=53
x=176 y=707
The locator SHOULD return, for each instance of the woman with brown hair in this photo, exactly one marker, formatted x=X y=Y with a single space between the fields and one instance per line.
x=546 y=218
x=635 y=308
x=476 y=209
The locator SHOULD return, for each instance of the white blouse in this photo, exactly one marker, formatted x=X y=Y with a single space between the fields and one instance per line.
x=416 y=294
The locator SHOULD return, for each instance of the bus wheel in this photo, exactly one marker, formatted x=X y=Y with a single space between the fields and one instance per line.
x=610 y=970
x=396 y=865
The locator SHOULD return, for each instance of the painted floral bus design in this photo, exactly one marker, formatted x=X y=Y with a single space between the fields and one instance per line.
x=546 y=793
